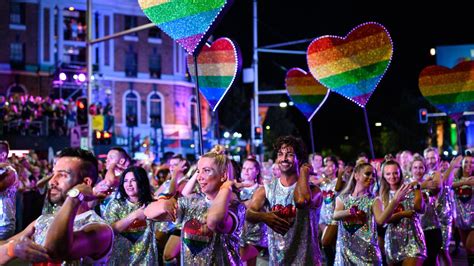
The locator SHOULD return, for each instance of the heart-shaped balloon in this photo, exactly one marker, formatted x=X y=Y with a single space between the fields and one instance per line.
x=135 y=230
x=196 y=235
x=287 y=212
x=188 y=22
x=464 y=193
x=307 y=94
x=218 y=65
x=353 y=65
x=449 y=90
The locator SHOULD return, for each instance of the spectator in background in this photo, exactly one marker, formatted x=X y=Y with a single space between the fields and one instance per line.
x=8 y=188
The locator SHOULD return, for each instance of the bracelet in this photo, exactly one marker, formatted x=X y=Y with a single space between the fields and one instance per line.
x=165 y=196
x=11 y=249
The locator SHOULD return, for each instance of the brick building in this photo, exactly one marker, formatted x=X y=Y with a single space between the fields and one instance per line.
x=142 y=75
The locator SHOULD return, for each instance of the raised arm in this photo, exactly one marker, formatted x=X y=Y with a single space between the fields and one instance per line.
x=454 y=165
x=383 y=215
x=218 y=218
x=63 y=243
x=305 y=196
x=122 y=224
x=189 y=187
x=9 y=177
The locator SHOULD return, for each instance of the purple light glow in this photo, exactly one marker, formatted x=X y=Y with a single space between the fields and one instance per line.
x=82 y=77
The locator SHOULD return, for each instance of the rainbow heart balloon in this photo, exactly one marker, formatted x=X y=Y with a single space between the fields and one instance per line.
x=449 y=90
x=307 y=94
x=218 y=65
x=188 y=22
x=353 y=65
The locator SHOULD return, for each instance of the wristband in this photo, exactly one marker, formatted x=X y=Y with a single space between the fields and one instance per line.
x=165 y=196
x=11 y=249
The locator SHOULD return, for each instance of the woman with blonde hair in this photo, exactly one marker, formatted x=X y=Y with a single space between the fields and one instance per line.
x=404 y=238
x=211 y=219
x=357 y=212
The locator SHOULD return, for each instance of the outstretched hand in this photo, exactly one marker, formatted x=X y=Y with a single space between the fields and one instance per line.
x=278 y=224
x=402 y=192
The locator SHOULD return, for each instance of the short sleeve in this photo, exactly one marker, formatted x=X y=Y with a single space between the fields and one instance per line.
x=112 y=211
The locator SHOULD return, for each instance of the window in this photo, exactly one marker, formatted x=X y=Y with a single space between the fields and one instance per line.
x=155 y=33
x=17 y=54
x=155 y=110
x=131 y=109
x=130 y=22
x=74 y=54
x=75 y=28
x=154 y=63
x=194 y=113
x=131 y=63
x=17 y=13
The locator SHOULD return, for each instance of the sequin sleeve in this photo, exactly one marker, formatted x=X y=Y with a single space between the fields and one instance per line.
x=112 y=211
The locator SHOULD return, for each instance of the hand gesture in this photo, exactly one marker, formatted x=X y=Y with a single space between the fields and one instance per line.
x=162 y=210
x=138 y=214
x=86 y=191
x=279 y=225
x=402 y=192
x=456 y=162
x=469 y=181
x=28 y=250
x=408 y=213
x=306 y=168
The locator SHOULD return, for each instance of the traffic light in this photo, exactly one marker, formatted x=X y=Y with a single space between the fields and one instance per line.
x=258 y=132
x=82 y=111
x=102 y=138
x=423 y=116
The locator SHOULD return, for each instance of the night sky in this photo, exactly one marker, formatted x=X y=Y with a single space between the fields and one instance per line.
x=395 y=103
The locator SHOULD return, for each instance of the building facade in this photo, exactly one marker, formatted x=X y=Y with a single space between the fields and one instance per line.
x=142 y=75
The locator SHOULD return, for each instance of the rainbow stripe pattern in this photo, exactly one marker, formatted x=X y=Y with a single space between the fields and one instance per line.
x=307 y=94
x=218 y=65
x=449 y=90
x=188 y=22
x=354 y=65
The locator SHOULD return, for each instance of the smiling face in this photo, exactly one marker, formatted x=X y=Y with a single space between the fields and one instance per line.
x=209 y=178
x=65 y=177
x=365 y=177
x=418 y=170
x=432 y=160
x=130 y=186
x=317 y=161
x=329 y=168
x=468 y=165
x=391 y=174
x=286 y=160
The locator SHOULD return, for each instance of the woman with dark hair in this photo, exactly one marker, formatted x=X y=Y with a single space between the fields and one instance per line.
x=358 y=211
x=254 y=235
x=135 y=242
x=404 y=238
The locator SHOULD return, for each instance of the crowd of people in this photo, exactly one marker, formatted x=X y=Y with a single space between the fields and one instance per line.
x=308 y=210
x=27 y=115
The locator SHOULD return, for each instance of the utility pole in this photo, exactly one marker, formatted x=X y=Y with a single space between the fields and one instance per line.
x=255 y=121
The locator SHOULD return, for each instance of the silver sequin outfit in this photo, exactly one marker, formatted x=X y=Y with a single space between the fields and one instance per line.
x=357 y=240
x=464 y=203
x=8 y=209
x=329 y=202
x=43 y=223
x=252 y=234
x=299 y=246
x=429 y=219
x=405 y=239
x=445 y=210
x=200 y=245
x=137 y=244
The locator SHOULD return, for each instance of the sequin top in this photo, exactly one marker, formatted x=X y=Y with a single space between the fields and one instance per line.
x=464 y=203
x=43 y=223
x=137 y=244
x=429 y=219
x=329 y=201
x=299 y=246
x=168 y=227
x=8 y=204
x=200 y=245
x=357 y=236
x=405 y=239
x=445 y=206
x=252 y=234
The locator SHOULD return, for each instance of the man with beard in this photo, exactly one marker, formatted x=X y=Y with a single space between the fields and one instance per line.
x=295 y=208
x=74 y=234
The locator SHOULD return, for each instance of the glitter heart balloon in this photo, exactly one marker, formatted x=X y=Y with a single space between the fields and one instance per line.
x=218 y=65
x=328 y=196
x=196 y=235
x=353 y=65
x=449 y=90
x=307 y=94
x=188 y=22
